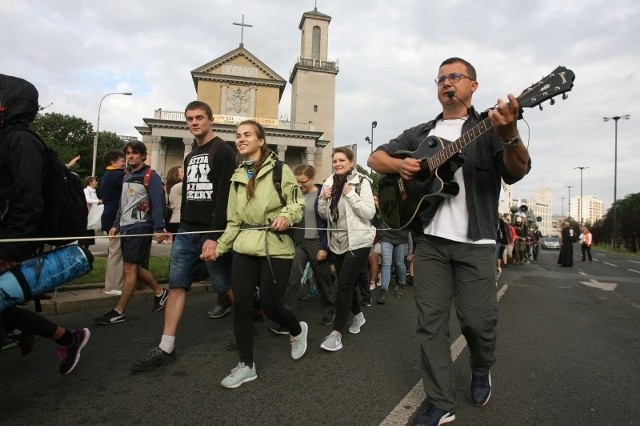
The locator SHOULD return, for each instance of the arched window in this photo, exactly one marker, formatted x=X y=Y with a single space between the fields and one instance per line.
x=315 y=43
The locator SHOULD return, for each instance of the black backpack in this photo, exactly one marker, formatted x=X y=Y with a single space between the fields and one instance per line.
x=65 y=204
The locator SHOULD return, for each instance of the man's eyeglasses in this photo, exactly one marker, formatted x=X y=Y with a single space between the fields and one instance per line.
x=454 y=77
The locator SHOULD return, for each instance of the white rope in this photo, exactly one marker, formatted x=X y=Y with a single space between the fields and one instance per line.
x=88 y=237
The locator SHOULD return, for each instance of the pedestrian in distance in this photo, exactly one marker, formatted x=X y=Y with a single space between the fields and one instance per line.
x=565 y=257
x=111 y=189
x=263 y=251
x=203 y=215
x=587 y=239
x=347 y=204
x=455 y=252
x=137 y=223
x=94 y=205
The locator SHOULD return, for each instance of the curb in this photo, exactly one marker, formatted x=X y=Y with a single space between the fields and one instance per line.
x=91 y=296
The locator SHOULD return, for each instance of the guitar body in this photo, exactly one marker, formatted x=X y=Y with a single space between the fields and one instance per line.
x=414 y=203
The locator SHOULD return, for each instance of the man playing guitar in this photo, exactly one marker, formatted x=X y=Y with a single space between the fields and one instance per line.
x=457 y=243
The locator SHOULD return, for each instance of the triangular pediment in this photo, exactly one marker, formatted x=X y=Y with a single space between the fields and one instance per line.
x=238 y=66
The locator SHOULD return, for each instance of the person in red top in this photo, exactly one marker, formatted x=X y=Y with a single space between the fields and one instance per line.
x=586 y=244
x=513 y=236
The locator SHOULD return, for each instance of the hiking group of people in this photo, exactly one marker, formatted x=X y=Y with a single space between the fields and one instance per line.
x=238 y=218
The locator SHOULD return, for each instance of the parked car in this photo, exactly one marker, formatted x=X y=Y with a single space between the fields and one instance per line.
x=550 y=243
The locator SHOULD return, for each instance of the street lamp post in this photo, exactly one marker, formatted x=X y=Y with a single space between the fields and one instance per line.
x=615 y=172
x=562 y=206
x=374 y=124
x=569 y=187
x=581 y=205
x=95 y=138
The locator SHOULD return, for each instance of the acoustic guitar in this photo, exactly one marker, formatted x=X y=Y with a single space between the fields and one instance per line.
x=413 y=203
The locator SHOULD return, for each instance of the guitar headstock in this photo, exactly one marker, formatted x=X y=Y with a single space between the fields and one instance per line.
x=558 y=82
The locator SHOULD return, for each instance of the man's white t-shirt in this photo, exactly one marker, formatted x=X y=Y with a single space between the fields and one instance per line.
x=451 y=221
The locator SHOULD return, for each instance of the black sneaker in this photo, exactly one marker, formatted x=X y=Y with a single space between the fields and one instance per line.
x=219 y=311
x=111 y=317
x=480 y=389
x=382 y=298
x=155 y=358
x=433 y=416
x=400 y=292
x=278 y=329
x=366 y=302
x=158 y=301
x=70 y=355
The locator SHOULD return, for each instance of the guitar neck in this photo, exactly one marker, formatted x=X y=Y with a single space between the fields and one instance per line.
x=456 y=146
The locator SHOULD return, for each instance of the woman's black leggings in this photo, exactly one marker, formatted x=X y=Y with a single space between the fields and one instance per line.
x=348 y=265
x=27 y=322
x=247 y=272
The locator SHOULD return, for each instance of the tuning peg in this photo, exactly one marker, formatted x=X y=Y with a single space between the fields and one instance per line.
x=564 y=96
x=552 y=101
x=540 y=106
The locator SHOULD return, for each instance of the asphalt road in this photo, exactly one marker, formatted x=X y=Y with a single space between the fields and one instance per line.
x=567 y=354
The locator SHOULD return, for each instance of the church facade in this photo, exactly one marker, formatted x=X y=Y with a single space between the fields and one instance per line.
x=239 y=86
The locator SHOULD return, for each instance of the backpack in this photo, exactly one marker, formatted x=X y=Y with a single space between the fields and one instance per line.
x=146 y=181
x=65 y=204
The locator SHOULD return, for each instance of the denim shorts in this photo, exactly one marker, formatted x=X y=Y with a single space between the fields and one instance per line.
x=185 y=263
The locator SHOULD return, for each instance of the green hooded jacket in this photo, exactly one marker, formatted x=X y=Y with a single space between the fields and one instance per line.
x=259 y=212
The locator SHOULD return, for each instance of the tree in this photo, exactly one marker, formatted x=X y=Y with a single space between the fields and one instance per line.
x=71 y=136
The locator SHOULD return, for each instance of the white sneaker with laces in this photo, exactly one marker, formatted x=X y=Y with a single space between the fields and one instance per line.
x=239 y=375
x=357 y=322
x=332 y=343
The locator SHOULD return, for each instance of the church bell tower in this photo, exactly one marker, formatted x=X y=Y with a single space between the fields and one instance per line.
x=313 y=85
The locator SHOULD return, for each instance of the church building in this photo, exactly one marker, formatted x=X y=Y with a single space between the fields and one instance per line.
x=239 y=86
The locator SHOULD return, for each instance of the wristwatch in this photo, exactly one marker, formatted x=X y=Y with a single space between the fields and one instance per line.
x=513 y=142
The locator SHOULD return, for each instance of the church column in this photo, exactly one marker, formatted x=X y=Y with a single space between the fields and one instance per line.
x=224 y=89
x=188 y=146
x=311 y=152
x=252 y=100
x=155 y=151
x=281 y=150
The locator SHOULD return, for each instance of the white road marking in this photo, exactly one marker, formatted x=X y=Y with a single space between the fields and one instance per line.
x=602 y=286
x=633 y=270
x=610 y=264
x=410 y=404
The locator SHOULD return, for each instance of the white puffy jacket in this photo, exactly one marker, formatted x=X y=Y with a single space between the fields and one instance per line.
x=360 y=210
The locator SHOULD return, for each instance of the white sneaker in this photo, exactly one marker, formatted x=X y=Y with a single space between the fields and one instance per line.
x=357 y=322
x=332 y=343
x=239 y=375
x=299 y=342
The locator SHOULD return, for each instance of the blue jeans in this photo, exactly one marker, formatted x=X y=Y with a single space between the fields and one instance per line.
x=185 y=263
x=396 y=253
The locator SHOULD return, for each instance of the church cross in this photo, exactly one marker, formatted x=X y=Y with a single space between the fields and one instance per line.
x=242 y=25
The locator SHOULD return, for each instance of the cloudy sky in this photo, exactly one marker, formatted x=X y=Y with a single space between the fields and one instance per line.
x=76 y=51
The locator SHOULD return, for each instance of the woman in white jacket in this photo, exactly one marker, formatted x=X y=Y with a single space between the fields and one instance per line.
x=347 y=205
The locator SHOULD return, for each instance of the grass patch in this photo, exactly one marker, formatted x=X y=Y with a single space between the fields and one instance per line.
x=158 y=265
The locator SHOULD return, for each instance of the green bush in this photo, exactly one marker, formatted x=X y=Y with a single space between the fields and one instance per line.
x=158 y=265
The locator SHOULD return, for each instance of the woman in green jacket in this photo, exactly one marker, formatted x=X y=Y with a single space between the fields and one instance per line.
x=263 y=252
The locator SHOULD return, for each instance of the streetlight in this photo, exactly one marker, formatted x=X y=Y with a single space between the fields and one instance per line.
x=569 y=187
x=374 y=124
x=615 y=172
x=581 y=205
x=95 y=139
